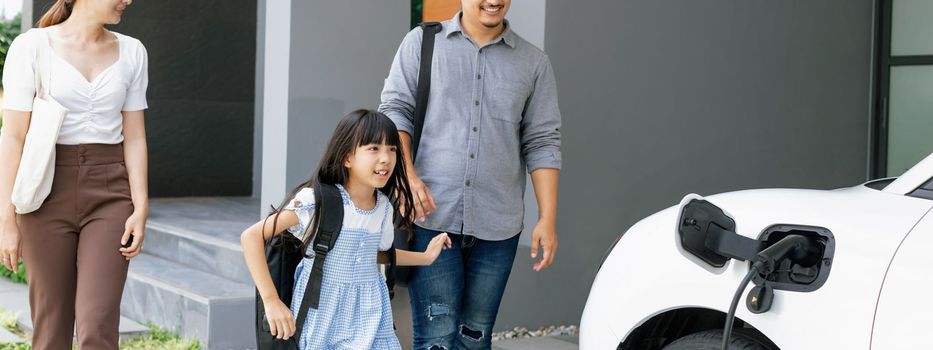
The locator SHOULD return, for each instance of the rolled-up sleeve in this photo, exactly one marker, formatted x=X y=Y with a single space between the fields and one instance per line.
x=19 y=75
x=398 y=93
x=540 y=136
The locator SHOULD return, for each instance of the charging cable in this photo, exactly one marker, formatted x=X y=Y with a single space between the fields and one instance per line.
x=797 y=248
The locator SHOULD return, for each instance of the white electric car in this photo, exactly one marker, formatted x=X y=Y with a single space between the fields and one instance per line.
x=844 y=269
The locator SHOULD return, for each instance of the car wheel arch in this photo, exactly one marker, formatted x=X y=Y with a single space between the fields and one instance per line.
x=665 y=327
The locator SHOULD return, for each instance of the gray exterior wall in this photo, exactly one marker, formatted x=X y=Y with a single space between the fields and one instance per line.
x=340 y=54
x=663 y=98
x=202 y=70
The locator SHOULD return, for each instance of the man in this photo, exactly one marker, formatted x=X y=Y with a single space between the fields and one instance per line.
x=492 y=113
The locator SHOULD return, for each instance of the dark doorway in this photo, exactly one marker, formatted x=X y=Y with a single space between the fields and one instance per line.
x=202 y=64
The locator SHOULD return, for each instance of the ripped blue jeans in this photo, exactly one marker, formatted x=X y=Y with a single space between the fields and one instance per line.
x=454 y=301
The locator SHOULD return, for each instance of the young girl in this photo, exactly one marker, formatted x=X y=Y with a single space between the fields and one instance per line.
x=354 y=313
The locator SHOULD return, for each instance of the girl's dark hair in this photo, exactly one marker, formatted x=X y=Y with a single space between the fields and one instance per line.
x=358 y=128
x=58 y=13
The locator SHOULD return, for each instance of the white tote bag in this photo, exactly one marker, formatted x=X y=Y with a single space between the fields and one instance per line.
x=37 y=166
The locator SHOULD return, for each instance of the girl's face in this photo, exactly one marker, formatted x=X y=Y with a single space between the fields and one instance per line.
x=371 y=165
x=107 y=11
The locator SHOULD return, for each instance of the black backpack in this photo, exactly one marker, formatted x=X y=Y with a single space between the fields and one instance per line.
x=396 y=273
x=283 y=253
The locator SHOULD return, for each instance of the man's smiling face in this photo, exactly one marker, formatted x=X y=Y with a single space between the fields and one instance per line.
x=489 y=13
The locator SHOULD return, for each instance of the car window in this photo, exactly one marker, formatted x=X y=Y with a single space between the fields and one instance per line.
x=925 y=191
x=880 y=184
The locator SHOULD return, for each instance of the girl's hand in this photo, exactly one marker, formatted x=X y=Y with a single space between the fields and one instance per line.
x=438 y=243
x=135 y=229
x=281 y=321
x=10 y=245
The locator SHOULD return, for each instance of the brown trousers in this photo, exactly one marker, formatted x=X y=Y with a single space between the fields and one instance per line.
x=71 y=248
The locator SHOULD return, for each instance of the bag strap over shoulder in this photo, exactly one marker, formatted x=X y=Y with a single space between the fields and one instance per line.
x=43 y=64
x=430 y=29
x=325 y=240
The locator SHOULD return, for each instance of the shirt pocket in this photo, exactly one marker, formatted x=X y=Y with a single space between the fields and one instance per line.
x=507 y=101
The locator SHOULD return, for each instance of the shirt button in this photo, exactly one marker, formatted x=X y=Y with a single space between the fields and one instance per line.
x=476 y=102
x=472 y=156
x=478 y=76
x=468 y=183
x=474 y=129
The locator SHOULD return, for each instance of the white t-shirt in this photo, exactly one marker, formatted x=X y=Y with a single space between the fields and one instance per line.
x=94 y=107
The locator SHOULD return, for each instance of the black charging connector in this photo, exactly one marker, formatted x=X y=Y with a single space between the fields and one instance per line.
x=796 y=248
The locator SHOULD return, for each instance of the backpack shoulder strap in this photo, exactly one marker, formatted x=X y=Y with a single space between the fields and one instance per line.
x=429 y=30
x=325 y=240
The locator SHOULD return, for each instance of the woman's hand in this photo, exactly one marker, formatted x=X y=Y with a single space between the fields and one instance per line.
x=10 y=245
x=281 y=321
x=134 y=233
x=438 y=243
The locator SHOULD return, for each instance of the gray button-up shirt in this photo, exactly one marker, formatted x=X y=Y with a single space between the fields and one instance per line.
x=492 y=113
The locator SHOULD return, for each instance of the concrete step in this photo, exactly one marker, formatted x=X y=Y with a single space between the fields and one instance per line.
x=217 y=311
x=211 y=254
x=15 y=297
x=202 y=233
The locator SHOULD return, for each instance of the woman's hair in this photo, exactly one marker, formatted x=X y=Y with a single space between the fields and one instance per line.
x=59 y=12
x=358 y=128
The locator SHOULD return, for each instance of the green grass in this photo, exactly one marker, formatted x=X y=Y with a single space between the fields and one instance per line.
x=19 y=276
x=158 y=339
x=8 y=321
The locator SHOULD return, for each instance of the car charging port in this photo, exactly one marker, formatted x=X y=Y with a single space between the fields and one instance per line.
x=807 y=268
x=784 y=257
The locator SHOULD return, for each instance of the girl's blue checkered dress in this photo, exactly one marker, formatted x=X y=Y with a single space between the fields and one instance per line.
x=354 y=310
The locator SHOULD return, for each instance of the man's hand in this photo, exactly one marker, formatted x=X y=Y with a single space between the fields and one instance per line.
x=424 y=200
x=544 y=237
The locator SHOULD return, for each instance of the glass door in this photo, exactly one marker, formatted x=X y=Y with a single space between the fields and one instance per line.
x=904 y=119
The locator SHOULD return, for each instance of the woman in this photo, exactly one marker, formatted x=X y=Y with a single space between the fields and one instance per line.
x=78 y=244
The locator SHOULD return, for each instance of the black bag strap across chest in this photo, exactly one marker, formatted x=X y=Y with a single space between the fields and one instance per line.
x=325 y=240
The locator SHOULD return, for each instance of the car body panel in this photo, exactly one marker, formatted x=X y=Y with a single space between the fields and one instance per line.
x=902 y=319
x=647 y=273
